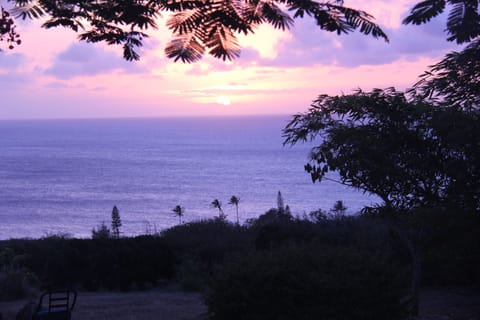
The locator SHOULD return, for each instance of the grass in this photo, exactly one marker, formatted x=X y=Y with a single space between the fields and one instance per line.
x=145 y=305
x=435 y=303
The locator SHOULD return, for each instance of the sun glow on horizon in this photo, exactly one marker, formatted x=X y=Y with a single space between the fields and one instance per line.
x=223 y=100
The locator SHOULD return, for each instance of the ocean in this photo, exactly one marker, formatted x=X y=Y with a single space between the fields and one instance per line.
x=65 y=176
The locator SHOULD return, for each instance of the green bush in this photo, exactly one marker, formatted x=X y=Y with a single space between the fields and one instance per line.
x=307 y=283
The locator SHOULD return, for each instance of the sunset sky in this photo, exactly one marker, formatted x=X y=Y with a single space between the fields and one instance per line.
x=52 y=75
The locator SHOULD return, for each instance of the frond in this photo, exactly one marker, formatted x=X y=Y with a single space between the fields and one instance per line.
x=423 y=11
x=179 y=5
x=362 y=21
x=345 y=20
x=133 y=13
x=129 y=53
x=185 y=48
x=275 y=16
x=97 y=36
x=223 y=44
x=252 y=12
x=184 y=21
x=228 y=13
x=463 y=22
x=454 y=79
x=64 y=22
x=302 y=7
x=28 y=9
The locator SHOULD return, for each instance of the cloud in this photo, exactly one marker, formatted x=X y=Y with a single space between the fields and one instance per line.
x=309 y=45
x=82 y=59
x=11 y=61
x=62 y=85
x=12 y=78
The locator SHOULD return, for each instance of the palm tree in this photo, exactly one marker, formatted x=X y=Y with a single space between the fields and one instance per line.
x=179 y=212
x=218 y=205
x=234 y=201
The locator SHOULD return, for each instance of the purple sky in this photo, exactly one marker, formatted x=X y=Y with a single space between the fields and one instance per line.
x=52 y=75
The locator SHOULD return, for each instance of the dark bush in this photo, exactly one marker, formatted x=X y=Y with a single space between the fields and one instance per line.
x=15 y=281
x=309 y=282
x=451 y=247
x=200 y=246
x=210 y=240
x=16 y=284
x=125 y=263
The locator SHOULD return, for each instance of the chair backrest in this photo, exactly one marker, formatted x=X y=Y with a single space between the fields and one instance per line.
x=56 y=301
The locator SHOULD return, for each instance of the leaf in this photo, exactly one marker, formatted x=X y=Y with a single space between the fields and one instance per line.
x=463 y=22
x=55 y=22
x=27 y=9
x=276 y=17
x=223 y=44
x=424 y=11
x=186 y=49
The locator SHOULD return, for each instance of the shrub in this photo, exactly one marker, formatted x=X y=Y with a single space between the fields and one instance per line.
x=123 y=263
x=16 y=284
x=15 y=281
x=451 y=247
x=309 y=282
x=200 y=246
x=101 y=232
x=208 y=240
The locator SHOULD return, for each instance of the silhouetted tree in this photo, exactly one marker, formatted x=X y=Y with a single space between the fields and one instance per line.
x=414 y=154
x=101 y=232
x=212 y=26
x=198 y=27
x=280 y=203
x=8 y=31
x=463 y=21
x=338 y=209
x=179 y=212
x=218 y=205
x=116 y=222
x=408 y=152
x=234 y=201
x=455 y=79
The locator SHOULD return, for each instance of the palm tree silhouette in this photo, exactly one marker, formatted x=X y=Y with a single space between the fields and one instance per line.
x=179 y=212
x=234 y=201
x=218 y=205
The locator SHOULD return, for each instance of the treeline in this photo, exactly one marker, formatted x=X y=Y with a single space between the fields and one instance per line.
x=273 y=265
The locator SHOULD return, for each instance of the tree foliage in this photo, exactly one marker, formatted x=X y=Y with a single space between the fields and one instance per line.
x=408 y=152
x=198 y=27
x=455 y=79
x=234 y=200
x=179 y=212
x=101 y=232
x=308 y=282
x=8 y=31
x=463 y=22
x=217 y=204
x=116 y=222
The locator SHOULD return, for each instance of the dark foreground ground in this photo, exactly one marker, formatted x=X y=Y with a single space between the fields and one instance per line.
x=435 y=304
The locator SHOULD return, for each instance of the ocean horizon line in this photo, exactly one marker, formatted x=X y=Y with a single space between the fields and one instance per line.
x=156 y=117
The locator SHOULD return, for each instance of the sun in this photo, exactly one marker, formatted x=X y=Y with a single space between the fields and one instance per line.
x=223 y=100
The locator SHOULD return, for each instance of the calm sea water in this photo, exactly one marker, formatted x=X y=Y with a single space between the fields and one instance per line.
x=64 y=176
